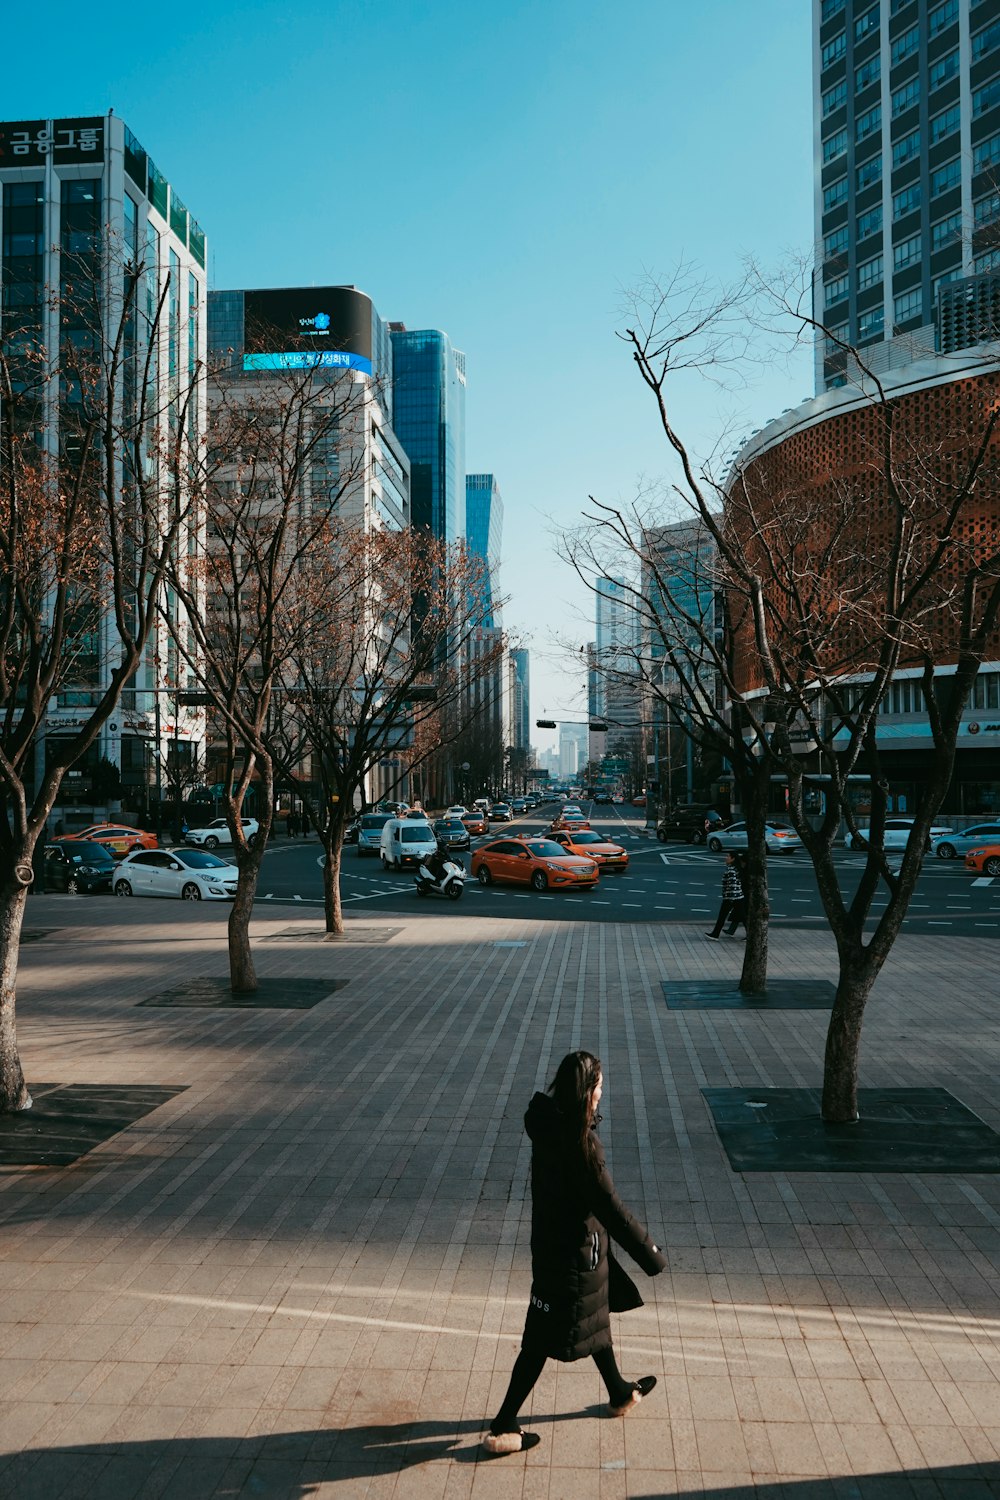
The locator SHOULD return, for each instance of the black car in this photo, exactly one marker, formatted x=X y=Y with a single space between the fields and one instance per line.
x=452 y=832
x=604 y=799
x=688 y=821
x=76 y=865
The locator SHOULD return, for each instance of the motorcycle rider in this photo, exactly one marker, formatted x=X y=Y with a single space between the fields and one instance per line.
x=436 y=862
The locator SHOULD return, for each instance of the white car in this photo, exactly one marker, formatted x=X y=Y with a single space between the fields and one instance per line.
x=218 y=833
x=897 y=832
x=456 y=810
x=180 y=874
x=779 y=838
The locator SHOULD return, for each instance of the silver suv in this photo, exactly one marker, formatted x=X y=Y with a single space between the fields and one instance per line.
x=370 y=827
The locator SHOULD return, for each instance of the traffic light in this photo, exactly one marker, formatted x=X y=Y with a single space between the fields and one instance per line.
x=546 y=724
x=599 y=725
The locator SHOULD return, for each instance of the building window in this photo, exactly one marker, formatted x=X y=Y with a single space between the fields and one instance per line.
x=836 y=338
x=870 y=223
x=835 y=194
x=867 y=123
x=833 y=51
x=835 y=244
x=946 y=67
x=944 y=123
x=946 y=231
x=868 y=72
x=832 y=8
x=906 y=253
x=906 y=201
x=944 y=280
x=948 y=176
x=985 y=98
x=906 y=149
x=907 y=306
x=835 y=97
x=869 y=171
x=866 y=24
x=905 y=98
x=986 y=154
x=942 y=16
x=986 y=691
x=905 y=44
x=834 y=146
x=984 y=41
x=869 y=273
x=871 y=324
x=836 y=290
x=987 y=209
x=987 y=262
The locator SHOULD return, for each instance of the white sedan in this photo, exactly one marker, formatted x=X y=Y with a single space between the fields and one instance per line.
x=779 y=838
x=180 y=874
x=455 y=811
x=218 y=833
x=896 y=835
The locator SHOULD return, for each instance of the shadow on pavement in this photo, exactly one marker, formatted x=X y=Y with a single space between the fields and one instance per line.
x=292 y=1464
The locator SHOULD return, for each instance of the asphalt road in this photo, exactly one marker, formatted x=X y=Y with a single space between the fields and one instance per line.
x=664 y=883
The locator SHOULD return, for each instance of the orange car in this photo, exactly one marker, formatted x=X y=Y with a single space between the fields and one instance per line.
x=592 y=846
x=476 y=822
x=540 y=863
x=116 y=837
x=985 y=859
x=568 y=822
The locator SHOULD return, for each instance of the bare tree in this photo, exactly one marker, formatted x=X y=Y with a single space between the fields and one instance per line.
x=387 y=670
x=94 y=496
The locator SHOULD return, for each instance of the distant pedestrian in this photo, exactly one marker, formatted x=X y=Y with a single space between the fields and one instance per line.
x=293 y=824
x=305 y=824
x=575 y=1281
x=733 y=900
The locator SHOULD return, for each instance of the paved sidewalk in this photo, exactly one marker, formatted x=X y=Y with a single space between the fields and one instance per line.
x=306 y=1274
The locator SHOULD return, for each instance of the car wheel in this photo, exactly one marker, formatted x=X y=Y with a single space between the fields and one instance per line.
x=698 y=837
x=715 y=846
x=455 y=892
x=190 y=892
x=135 y=849
x=991 y=866
x=251 y=841
x=484 y=875
x=661 y=834
x=539 y=881
x=212 y=842
x=72 y=886
x=946 y=851
x=122 y=888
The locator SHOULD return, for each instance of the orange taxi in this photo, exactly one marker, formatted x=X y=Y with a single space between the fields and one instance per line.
x=984 y=860
x=476 y=822
x=591 y=845
x=541 y=863
x=568 y=822
x=116 y=837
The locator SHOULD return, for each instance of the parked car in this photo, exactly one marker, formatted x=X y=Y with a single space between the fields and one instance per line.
x=405 y=842
x=594 y=846
x=952 y=844
x=501 y=812
x=476 y=822
x=897 y=832
x=77 y=865
x=118 y=837
x=218 y=833
x=540 y=863
x=370 y=827
x=780 y=838
x=687 y=822
x=985 y=860
x=180 y=874
x=452 y=832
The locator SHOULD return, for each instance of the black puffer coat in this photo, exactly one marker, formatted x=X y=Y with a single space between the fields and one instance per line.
x=573 y=1211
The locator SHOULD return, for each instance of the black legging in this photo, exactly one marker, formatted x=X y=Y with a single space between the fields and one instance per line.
x=528 y=1367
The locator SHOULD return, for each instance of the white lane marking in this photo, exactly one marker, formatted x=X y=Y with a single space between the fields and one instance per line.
x=665 y=858
x=983 y=880
x=296 y=898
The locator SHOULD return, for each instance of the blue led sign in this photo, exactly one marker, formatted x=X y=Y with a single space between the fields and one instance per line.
x=309 y=360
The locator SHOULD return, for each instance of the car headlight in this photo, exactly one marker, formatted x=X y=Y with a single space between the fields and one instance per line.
x=216 y=890
x=975 y=853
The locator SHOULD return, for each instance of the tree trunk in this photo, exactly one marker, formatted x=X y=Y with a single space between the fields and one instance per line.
x=843 y=1039
x=14 y=1093
x=753 y=979
x=331 y=882
x=242 y=974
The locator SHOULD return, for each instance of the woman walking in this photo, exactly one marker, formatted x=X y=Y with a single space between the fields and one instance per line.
x=575 y=1282
x=733 y=900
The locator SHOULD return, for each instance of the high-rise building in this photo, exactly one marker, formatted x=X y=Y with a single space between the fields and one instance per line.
x=83 y=210
x=573 y=749
x=428 y=385
x=618 y=689
x=484 y=531
x=520 y=698
x=907 y=192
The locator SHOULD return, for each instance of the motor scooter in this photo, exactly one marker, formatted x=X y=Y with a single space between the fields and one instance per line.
x=450 y=884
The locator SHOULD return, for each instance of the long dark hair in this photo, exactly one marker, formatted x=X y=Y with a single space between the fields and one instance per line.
x=575 y=1081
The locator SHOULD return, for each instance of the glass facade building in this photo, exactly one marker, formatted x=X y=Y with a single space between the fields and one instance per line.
x=907 y=149
x=520 y=685
x=484 y=530
x=428 y=383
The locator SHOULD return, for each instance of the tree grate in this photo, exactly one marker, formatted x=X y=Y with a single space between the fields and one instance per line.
x=270 y=994
x=69 y=1119
x=781 y=994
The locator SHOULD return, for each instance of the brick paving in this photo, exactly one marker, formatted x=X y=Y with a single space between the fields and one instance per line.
x=306 y=1273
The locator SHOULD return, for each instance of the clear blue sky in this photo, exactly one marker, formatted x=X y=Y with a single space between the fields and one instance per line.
x=501 y=172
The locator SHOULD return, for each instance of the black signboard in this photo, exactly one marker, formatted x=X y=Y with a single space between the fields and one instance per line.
x=30 y=142
x=318 y=318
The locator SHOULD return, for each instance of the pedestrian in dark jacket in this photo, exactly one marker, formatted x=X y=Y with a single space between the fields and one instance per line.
x=575 y=1282
x=733 y=901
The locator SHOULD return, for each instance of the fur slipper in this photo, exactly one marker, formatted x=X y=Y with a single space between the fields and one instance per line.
x=498 y=1443
x=640 y=1388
